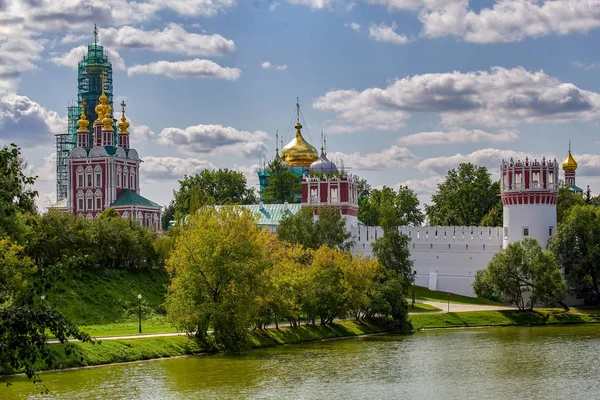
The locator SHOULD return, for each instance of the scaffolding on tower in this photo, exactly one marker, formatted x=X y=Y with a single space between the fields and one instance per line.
x=89 y=87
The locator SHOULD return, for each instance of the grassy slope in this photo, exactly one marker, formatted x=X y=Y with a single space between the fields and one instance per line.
x=115 y=351
x=422 y=308
x=435 y=295
x=109 y=295
x=504 y=318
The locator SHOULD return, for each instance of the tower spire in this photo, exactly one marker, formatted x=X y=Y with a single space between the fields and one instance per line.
x=322 y=141
x=298 y=110
x=569 y=145
x=95 y=35
x=276 y=141
x=325 y=143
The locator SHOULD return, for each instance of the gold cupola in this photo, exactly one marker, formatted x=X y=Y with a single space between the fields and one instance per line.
x=83 y=122
x=569 y=165
x=102 y=106
x=107 y=121
x=298 y=152
x=123 y=125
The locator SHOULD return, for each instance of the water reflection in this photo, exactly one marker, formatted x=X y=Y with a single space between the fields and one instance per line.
x=532 y=363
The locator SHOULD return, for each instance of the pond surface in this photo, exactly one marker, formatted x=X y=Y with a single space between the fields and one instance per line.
x=499 y=363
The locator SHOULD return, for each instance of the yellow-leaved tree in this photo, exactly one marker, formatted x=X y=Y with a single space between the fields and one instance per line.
x=216 y=266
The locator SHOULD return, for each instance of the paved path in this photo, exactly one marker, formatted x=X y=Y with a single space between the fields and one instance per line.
x=456 y=307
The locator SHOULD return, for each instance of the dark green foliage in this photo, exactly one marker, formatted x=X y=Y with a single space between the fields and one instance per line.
x=167 y=216
x=222 y=186
x=567 y=199
x=576 y=246
x=523 y=275
x=404 y=201
x=283 y=185
x=464 y=198
x=329 y=229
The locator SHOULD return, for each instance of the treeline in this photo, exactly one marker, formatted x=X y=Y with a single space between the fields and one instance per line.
x=229 y=275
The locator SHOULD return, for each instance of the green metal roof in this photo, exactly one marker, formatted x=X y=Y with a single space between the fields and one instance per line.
x=60 y=204
x=576 y=188
x=129 y=198
x=271 y=214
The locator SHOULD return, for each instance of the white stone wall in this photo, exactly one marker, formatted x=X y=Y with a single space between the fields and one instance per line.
x=445 y=257
x=538 y=219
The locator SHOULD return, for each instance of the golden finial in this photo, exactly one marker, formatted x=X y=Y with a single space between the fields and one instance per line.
x=123 y=125
x=569 y=165
x=107 y=121
x=101 y=108
x=83 y=122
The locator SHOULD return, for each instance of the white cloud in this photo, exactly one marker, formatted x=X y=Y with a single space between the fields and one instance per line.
x=140 y=133
x=216 y=139
x=316 y=4
x=268 y=65
x=457 y=136
x=353 y=25
x=392 y=157
x=22 y=18
x=25 y=122
x=489 y=158
x=498 y=97
x=172 y=39
x=589 y=164
x=72 y=38
x=273 y=6
x=586 y=65
x=72 y=57
x=171 y=168
x=45 y=172
x=187 y=69
x=350 y=6
x=424 y=188
x=17 y=55
x=387 y=34
x=505 y=21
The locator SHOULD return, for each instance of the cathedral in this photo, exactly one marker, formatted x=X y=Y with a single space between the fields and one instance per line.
x=96 y=166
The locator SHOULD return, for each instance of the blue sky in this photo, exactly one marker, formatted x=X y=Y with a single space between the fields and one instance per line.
x=404 y=89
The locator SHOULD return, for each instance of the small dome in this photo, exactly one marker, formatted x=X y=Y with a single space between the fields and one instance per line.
x=298 y=152
x=323 y=165
x=569 y=165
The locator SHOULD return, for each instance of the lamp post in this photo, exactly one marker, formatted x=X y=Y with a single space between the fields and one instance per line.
x=413 y=288
x=140 y=311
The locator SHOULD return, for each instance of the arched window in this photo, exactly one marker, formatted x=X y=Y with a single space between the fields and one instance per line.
x=125 y=176
x=119 y=176
x=98 y=176
x=132 y=174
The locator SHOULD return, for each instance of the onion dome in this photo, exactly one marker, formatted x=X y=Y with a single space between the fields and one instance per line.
x=323 y=165
x=102 y=106
x=298 y=152
x=83 y=122
x=123 y=125
x=107 y=121
x=569 y=165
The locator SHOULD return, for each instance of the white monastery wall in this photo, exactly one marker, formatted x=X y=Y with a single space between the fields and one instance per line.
x=445 y=257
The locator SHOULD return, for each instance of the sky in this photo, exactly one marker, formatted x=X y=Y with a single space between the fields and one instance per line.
x=404 y=90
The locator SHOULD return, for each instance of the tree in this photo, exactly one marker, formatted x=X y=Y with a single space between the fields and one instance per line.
x=464 y=198
x=523 y=275
x=17 y=199
x=329 y=229
x=494 y=216
x=577 y=249
x=168 y=215
x=222 y=186
x=404 y=201
x=567 y=199
x=283 y=185
x=215 y=268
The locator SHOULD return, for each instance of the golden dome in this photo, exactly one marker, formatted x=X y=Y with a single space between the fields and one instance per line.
x=107 y=121
x=101 y=107
x=83 y=122
x=123 y=125
x=298 y=152
x=569 y=165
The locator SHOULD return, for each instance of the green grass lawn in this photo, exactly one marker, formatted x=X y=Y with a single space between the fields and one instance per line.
x=155 y=325
x=435 y=295
x=504 y=318
x=422 y=308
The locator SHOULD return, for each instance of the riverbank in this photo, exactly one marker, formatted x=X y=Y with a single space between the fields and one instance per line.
x=127 y=350
x=474 y=319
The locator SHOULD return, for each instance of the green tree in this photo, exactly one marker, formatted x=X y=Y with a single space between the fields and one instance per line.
x=215 y=267
x=17 y=198
x=494 y=216
x=567 y=199
x=577 y=249
x=404 y=201
x=283 y=185
x=168 y=215
x=523 y=275
x=328 y=229
x=222 y=186
x=464 y=198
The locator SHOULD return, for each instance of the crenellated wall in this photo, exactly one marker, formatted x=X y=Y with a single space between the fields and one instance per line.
x=445 y=257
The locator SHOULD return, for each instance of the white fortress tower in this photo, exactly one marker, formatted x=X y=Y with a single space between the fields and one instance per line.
x=529 y=192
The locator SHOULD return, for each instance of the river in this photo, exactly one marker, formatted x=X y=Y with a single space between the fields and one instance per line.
x=557 y=362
